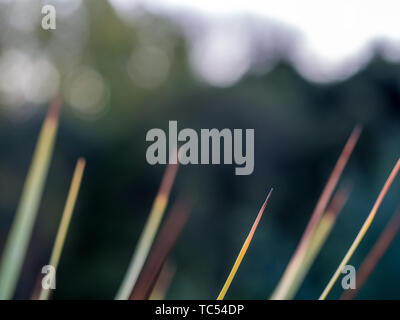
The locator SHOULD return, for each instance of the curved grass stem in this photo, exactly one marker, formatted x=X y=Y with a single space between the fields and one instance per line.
x=363 y=230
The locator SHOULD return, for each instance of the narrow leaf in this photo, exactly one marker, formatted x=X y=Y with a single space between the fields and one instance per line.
x=21 y=230
x=374 y=256
x=65 y=220
x=286 y=281
x=165 y=242
x=243 y=251
x=163 y=281
x=363 y=230
x=318 y=239
x=148 y=234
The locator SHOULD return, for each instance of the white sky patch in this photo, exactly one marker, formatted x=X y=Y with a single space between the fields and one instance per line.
x=221 y=58
x=335 y=37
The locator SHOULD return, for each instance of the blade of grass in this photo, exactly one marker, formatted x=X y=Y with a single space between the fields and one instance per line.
x=165 y=242
x=163 y=282
x=147 y=237
x=65 y=220
x=376 y=253
x=318 y=239
x=21 y=230
x=363 y=230
x=285 y=283
x=243 y=250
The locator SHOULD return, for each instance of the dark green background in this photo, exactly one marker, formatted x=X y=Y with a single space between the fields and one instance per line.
x=300 y=129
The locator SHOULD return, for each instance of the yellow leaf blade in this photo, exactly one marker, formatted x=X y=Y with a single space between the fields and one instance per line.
x=243 y=251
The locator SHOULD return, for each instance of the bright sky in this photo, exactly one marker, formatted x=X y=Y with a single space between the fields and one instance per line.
x=335 y=36
x=328 y=41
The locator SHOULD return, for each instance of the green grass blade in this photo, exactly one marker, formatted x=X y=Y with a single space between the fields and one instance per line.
x=21 y=230
x=376 y=253
x=362 y=231
x=243 y=251
x=165 y=242
x=65 y=220
x=148 y=234
x=318 y=239
x=285 y=283
x=164 y=281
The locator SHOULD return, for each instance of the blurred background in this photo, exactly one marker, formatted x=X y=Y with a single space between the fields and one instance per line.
x=302 y=74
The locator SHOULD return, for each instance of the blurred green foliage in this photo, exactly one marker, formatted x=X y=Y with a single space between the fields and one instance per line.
x=300 y=128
